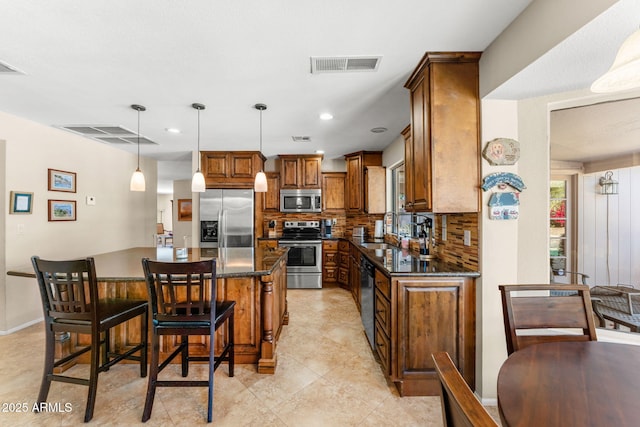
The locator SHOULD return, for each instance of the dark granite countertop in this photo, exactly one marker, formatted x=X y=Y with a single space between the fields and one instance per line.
x=400 y=262
x=126 y=265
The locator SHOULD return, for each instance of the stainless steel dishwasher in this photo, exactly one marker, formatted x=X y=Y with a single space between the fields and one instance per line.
x=367 y=283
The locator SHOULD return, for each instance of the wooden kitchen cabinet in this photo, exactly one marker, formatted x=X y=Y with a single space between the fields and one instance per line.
x=408 y=167
x=231 y=169
x=271 y=199
x=432 y=314
x=356 y=197
x=344 y=261
x=329 y=261
x=382 y=322
x=300 y=171
x=442 y=150
x=354 y=274
x=333 y=191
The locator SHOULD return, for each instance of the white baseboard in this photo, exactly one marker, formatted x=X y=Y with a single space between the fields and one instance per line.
x=24 y=325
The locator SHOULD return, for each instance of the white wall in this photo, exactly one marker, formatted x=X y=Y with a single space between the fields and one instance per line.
x=120 y=219
x=618 y=213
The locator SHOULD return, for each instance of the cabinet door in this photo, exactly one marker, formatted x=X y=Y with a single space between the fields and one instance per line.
x=242 y=166
x=310 y=172
x=421 y=154
x=333 y=191
x=215 y=164
x=289 y=172
x=271 y=199
x=435 y=314
x=354 y=188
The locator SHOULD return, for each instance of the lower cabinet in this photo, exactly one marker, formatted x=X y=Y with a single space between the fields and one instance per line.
x=343 y=263
x=382 y=316
x=329 y=261
x=354 y=275
x=431 y=314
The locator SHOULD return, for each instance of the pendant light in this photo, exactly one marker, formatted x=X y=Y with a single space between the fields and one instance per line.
x=624 y=74
x=260 y=185
x=197 y=183
x=137 y=179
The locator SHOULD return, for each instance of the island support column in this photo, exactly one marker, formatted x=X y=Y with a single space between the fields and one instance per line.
x=275 y=314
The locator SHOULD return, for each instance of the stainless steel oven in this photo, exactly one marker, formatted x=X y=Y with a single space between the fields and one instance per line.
x=304 y=261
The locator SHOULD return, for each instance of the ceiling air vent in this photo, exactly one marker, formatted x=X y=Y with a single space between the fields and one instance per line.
x=301 y=138
x=108 y=134
x=340 y=64
x=8 y=69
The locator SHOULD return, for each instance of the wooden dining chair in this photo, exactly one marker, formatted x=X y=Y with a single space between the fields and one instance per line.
x=183 y=303
x=534 y=314
x=460 y=407
x=70 y=301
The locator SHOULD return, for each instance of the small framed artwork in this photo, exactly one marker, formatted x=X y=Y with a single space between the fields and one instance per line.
x=184 y=209
x=21 y=202
x=62 y=210
x=62 y=181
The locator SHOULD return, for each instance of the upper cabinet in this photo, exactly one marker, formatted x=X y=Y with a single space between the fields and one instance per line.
x=365 y=178
x=443 y=143
x=271 y=199
x=333 y=191
x=300 y=171
x=231 y=169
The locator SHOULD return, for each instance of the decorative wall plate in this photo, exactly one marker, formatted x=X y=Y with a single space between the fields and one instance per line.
x=502 y=178
x=502 y=151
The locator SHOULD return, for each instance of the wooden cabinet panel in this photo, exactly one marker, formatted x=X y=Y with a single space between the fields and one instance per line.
x=383 y=284
x=230 y=169
x=329 y=261
x=383 y=312
x=300 y=171
x=383 y=348
x=271 y=199
x=375 y=181
x=333 y=191
x=355 y=191
x=344 y=261
x=311 y=172
x=433 y=314
x=442 y=154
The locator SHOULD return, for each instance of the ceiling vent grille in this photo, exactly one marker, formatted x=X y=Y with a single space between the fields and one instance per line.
x=301 y=138
x=8 y=69
x=344 y=64
x=108 y=134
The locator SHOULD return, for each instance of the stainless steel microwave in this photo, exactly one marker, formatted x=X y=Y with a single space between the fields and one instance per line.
x=294 y=200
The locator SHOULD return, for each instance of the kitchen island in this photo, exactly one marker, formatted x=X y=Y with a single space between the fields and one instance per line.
x=255 y=278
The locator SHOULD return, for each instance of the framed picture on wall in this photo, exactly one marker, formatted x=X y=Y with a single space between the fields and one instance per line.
x=184 y=209
x=21 y=202
x=62 y=181
x=62 y=210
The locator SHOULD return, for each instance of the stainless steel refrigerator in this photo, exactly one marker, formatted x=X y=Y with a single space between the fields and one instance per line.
x=226 y=218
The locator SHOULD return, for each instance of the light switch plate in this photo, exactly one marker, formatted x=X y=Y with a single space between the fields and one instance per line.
x=467 y=238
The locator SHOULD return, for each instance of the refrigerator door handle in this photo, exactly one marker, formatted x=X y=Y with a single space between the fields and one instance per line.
x=223 y=222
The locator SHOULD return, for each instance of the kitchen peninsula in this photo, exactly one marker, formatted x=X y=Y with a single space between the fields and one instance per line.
x=254 y=278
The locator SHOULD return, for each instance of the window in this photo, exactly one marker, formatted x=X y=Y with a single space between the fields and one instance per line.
x=561 y=255
x=403 y=219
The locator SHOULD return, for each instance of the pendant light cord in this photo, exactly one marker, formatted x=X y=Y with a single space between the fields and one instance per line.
x=138 y=139
x=260 y=131
x=198 y=140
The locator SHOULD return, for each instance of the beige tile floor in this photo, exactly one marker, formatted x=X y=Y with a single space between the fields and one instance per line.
x=326 y=376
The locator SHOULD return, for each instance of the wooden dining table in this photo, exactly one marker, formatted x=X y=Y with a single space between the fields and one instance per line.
x=589 y=383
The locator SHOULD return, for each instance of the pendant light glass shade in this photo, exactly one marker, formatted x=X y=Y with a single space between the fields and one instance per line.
x=197 y=182
x=260 y=184
x=137 y=179
x=624 y=74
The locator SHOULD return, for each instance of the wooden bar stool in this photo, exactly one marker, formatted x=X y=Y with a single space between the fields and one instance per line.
x=69 y=291
x=183 y=302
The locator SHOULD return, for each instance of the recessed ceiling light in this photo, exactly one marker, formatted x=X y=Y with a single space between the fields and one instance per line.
x=172 y=130
x=379 y=130
x=326 y=116
x=319 y=151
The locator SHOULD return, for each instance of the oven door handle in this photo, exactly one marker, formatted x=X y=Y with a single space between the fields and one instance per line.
x=299 y=242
